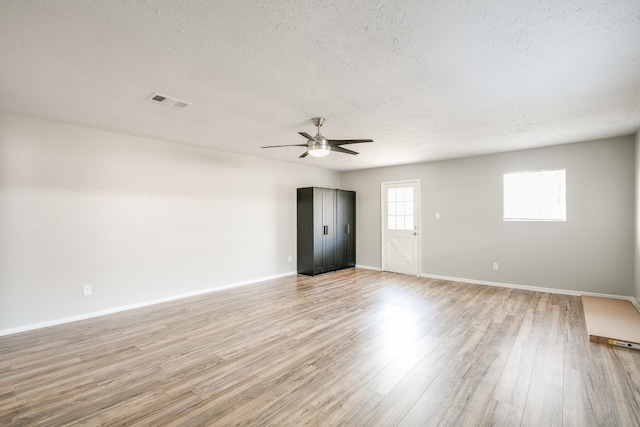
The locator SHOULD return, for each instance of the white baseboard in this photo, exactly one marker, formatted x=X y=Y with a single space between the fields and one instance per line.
x=69 y=319
x=113 y=310
x=532 y=288
x=366 y=267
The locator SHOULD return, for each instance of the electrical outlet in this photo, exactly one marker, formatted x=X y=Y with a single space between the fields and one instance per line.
x=290 y=258
x=437 y=215
x=495 y=265
x=87 y=290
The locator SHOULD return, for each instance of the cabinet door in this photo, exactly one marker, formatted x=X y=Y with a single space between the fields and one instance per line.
x=319 y=231
x=346 y=228
x=350 y=240
x=330 y=232
x=306 y=231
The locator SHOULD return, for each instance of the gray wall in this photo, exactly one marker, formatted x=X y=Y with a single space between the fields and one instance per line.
x=137 y=219
x=141 y=220
x=637 y=234
x=592 y=251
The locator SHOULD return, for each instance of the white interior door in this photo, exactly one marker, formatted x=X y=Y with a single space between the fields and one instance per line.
x=400 y=227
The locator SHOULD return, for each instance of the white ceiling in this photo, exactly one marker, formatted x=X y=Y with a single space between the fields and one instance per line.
x=426 y=80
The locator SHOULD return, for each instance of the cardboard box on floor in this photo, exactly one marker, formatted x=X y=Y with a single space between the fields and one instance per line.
x=612 y=321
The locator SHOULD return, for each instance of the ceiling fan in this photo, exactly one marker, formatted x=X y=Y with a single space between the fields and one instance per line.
x=319 y=146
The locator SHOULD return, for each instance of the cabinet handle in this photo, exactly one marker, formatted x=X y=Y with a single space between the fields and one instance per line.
x=346 y=229
x=326 y=230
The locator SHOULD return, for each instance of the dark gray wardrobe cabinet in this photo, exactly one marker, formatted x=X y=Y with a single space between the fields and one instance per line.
x=326 y=230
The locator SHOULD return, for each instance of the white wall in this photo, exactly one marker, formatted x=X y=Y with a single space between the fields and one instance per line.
x=592 y=251
x=137 y=219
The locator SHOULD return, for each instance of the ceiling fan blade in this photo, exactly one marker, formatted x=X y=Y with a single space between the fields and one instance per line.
x=305 y=154
x=336 y=142
x=306 y=135
x=343 y=150
x=288 y=145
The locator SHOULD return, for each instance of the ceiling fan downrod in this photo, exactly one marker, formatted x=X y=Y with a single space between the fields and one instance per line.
x=317 y=122
x=318 y=146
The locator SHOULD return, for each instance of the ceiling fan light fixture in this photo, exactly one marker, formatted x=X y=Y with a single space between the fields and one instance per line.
x=318 y=151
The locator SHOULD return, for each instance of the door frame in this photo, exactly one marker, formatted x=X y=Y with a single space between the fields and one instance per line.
x=417 y=221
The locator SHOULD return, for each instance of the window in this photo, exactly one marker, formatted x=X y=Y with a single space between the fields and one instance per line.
x=400 y=208
x=535 y=196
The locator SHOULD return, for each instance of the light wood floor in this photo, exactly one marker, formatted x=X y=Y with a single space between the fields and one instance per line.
x=356 y=347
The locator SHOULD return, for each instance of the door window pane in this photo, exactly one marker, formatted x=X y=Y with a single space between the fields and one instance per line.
x=400 y=208
x=408 y=194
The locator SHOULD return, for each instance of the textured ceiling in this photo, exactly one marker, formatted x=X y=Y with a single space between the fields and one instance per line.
x=426 y=80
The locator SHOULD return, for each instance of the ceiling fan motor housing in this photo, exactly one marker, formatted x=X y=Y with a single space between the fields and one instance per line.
x=318 y=141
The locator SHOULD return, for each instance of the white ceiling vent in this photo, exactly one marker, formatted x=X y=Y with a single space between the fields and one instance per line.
x=168 y=101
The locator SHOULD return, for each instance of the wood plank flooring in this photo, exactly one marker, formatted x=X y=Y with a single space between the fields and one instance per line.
x=355 y=347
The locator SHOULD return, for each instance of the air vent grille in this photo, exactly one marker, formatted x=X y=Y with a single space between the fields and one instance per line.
x=168 y=101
